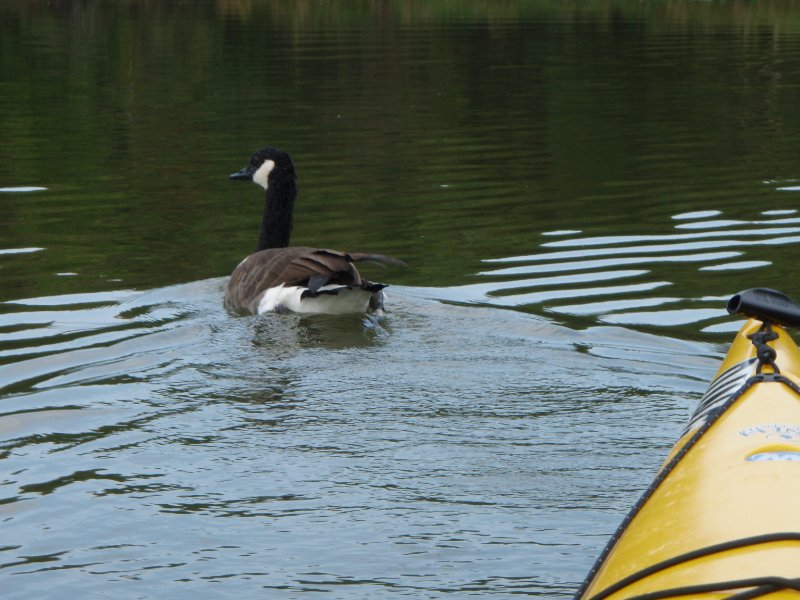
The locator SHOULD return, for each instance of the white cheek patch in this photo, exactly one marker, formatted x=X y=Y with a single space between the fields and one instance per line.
x=261 y=176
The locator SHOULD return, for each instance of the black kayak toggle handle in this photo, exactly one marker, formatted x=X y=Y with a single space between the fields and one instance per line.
x=765 y=304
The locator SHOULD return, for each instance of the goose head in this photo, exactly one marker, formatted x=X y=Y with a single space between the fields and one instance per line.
x=266 y=166
x=273 y=170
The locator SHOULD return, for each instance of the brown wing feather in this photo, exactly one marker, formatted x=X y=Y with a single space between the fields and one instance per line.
x=290 y=266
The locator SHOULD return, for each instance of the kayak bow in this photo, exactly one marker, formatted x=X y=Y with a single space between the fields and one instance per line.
x=722 y=517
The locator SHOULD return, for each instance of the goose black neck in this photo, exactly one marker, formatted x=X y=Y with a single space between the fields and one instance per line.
x=276 y=227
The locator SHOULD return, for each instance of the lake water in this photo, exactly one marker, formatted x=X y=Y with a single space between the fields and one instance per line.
x=576 y=187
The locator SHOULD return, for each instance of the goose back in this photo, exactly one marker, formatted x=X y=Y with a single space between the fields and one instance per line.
x=279 y=278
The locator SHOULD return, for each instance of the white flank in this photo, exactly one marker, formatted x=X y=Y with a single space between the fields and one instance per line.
x=261 y=176
x=345 y=301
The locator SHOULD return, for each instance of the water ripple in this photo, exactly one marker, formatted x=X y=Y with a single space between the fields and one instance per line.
x=19 y=250
x=571 y=268
x=147 y=434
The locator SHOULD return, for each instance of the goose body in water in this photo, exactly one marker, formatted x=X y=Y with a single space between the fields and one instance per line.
x=279 y=277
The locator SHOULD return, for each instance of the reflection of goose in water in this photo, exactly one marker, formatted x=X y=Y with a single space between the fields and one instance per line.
x=279 y=277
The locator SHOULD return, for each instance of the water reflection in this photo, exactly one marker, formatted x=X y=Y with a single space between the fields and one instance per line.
x=322 y=331
x=710 y=247
x=19 y=250
x=403 y=434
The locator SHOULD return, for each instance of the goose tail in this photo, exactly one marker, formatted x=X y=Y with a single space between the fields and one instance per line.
x=381 y=259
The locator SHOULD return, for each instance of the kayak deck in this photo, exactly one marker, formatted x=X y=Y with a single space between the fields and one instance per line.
x=722 y=518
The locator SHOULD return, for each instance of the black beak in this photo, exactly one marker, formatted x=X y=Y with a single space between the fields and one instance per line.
x=245 y=174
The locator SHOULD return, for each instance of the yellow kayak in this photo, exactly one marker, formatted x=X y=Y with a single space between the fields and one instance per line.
x=722 y=517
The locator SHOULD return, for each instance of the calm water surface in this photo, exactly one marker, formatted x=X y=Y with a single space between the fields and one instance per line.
x=576 y=187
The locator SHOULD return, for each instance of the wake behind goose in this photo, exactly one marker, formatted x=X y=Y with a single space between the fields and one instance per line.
x=613 y=278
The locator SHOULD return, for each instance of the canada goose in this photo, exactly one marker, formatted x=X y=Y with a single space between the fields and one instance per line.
x=279 y=277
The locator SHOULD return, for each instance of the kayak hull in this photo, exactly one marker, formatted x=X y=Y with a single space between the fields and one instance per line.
x=723 y=514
